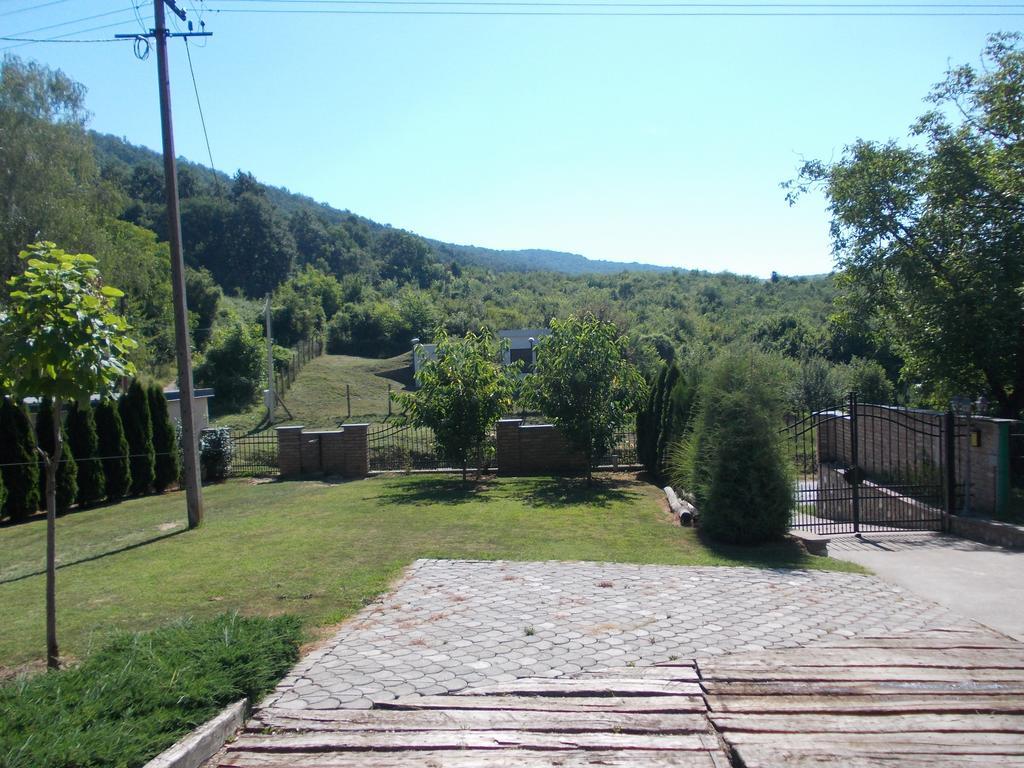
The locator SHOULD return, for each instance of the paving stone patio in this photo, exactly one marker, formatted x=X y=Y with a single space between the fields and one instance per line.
x=452 y=624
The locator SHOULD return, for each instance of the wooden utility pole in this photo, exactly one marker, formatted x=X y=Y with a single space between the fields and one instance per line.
x=190 y=449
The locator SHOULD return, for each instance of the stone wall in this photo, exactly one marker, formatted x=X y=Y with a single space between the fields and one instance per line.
x=878 y=505
x=341 y=452
x=533 y=449
x=894 y=442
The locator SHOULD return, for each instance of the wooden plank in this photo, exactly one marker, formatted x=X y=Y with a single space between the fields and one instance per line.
x=962 y=658
x=480 y=720
x=543 y=686
x=896 y=704
x=901 y=724
x=682 y=674
x=509 y=758
x=767 y=757
x=881 y=743
x=973 y=641
x=484 y=740
x=653 y=704
x=862 y=688
x=721 y=672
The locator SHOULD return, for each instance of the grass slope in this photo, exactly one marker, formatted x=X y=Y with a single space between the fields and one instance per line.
x=322 y=551
x=317 y=398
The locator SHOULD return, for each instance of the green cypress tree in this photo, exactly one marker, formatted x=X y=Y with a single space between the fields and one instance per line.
x=18 y=454
x=138 y=431
x=84 y=445
x=67 y=470
x=652 y=419
x=165 y=443
x=113 y=448
x=3 y=491
x=664 y=425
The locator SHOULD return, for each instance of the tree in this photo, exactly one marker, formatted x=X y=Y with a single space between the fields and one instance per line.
x=234 y=365
x=462 y=392
x=18 y=460
x=64 y=340
x=929 y=237
x=732 y=461
x=584 y=382
x=84 y=445
x=203 y=296
x=165 y=442
x=113 y=448
x=138 y=431
x=67 y=467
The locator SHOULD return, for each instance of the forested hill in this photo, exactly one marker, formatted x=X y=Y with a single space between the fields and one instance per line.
x=111 y=150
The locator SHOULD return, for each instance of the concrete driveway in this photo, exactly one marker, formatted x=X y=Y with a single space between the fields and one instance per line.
x=979 y=581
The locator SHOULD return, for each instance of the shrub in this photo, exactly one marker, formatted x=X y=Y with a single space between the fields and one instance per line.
x=733 y=460
x=133 y=408
x=19 y=457
x=67 y=470
x=165 y=446
x=84 y=444
x=869 y=380
x=113 y=450
x=216 y=452
x=234 y=366
x=141 y=692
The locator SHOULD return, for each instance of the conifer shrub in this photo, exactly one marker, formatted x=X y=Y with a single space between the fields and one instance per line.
x=18 y=458
x=84 y=445
x=3 y=491
x=67 y=469
x=732 y=461
x=113 y=449
x=133 y=408
x=665 y=425
x=165 y=443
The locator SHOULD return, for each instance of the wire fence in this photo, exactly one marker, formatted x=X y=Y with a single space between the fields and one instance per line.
x=285 y=373
x=254 y=455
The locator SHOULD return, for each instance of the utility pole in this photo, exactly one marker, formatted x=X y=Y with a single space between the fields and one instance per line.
x=190 y=449
x=271 y=398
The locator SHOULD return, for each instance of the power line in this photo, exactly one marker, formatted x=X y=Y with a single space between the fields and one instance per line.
x=199 y=104
x=32 y=7
x=713 y=5
x=69 y=23
x=691 y=13
x=62 y=38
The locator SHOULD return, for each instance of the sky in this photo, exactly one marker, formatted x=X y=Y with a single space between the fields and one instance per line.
x=659 y=139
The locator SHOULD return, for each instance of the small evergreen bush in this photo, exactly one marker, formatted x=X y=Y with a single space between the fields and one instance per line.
x=113 y=449
x=84 y=445
x=67 y=470
x=3 y=491
x=133 y=408
x=19 y=459
x=733 y=460
x=216 y=452
x=165 y=444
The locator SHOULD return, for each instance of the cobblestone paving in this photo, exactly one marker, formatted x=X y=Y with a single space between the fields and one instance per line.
x=451 y=624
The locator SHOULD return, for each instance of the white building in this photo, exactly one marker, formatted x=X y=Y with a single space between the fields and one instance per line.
x=521 y=347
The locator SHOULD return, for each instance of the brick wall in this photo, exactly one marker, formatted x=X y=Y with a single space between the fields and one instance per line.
x=341 y=452
x=533 y=449
x=909 y=444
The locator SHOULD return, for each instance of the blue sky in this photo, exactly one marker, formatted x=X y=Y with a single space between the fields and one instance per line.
x=659 y=139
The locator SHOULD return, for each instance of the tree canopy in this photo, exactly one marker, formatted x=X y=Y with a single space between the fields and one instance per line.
x=930 y=235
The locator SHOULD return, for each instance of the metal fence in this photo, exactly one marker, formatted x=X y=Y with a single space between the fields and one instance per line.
x=254 y=455
x=301 y=354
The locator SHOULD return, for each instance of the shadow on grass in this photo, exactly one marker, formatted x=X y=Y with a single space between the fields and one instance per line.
x=98 y=555
x=438 y=490
x=573 y=491
x=777 y=554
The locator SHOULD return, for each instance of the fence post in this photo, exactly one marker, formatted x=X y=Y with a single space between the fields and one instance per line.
x=348 y=399
x=950 y=467
x=854 y=459
x=389 y=398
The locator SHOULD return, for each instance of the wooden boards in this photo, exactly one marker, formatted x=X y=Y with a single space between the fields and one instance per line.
x=931 y=699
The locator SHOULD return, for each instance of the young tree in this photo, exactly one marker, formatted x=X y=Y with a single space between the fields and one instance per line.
x=462 y=392
x=584 y=382
x=113 y=447
x=64 y=340
x=18 y=457
x=84 y=445
x=165 y=442
x=138 y=431
x=67 y=467
x=929 y=236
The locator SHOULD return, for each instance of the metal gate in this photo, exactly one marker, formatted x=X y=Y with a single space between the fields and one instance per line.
x=863 y=467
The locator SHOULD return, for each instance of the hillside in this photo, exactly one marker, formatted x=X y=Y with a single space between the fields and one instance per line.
x=111 y=150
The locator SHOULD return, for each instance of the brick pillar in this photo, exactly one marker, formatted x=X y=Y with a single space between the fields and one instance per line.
x=289 y=451
x=332 y=453
x=355 y=450
x=507 y=446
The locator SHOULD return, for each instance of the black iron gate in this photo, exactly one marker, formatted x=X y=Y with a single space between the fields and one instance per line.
x=863 y=467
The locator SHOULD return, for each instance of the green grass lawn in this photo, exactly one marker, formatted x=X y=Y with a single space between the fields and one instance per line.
x=317 y=398
x=321 y=551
